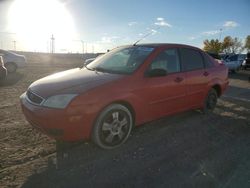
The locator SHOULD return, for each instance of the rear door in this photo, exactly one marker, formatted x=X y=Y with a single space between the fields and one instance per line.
x=197 y=76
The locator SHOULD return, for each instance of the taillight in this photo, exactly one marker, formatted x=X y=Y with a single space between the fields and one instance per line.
x=222 y=62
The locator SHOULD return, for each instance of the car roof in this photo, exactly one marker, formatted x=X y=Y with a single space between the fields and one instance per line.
x=165 y=45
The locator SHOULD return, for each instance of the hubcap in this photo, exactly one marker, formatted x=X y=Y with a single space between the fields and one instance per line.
x=115 y=127
x=211 y=103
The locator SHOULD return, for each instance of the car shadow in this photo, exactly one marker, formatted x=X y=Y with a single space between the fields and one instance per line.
x=11 y=79
x=186 y=150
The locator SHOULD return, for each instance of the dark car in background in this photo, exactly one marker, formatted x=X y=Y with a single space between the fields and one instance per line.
x=246 y=62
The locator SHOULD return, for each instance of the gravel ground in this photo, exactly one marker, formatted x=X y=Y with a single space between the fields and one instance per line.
x=186 y=150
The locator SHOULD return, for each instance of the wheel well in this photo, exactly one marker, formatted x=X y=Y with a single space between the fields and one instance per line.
x=217 y=89
x=129 y=106
x=10 y=62
x=124 y=103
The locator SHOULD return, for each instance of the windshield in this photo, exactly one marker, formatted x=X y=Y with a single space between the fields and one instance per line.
x=124 y=60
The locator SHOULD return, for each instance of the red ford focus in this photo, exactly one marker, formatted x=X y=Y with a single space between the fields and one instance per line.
x=126 y=87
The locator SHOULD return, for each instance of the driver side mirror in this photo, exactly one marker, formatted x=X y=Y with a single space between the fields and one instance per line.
x=88 y=61
x=156 y=73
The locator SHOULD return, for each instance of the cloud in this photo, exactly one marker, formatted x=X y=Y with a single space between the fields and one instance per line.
x=132 y=23
x=192 y=38
x=106 y=39
x=230 y=24
x=154 y=31
x=161 y=22
x=210 y=33
x=160 y=19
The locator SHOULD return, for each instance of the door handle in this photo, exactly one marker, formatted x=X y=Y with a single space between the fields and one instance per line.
x=206 y=73
x=178 y=79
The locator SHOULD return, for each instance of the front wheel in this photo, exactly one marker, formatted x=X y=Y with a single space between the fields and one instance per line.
x=210 y=101
x=112 y=127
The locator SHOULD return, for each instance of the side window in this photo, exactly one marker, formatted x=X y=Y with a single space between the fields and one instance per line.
x=191 y=59
x=168 y=60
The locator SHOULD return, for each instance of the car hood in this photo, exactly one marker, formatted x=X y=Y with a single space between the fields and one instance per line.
x=71 y=81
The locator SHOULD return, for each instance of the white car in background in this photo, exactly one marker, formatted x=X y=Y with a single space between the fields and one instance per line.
x=12 y=60
x=234 y=61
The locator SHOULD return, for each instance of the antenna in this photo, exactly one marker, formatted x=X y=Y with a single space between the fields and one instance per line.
x=146 y=35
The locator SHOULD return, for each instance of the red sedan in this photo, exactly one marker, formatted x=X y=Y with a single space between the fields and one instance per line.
x=126 y=87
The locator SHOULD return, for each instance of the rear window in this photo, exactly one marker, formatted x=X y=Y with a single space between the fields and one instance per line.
x=191 y=59
x=208 y=61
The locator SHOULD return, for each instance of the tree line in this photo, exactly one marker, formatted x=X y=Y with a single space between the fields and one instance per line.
x=228 y=45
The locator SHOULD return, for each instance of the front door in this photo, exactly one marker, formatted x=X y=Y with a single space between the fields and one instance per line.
x=165 y=94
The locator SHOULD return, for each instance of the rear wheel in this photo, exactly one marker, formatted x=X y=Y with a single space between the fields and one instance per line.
x=210 y=101
x=112 y=127
x=11 y=67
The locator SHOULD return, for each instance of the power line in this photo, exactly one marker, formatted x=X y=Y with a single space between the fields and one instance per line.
x=7 y=33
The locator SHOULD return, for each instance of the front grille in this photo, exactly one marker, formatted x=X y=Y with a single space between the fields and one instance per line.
x=34 y=98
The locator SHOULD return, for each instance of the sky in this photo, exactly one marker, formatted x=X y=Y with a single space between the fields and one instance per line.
x=97 y=25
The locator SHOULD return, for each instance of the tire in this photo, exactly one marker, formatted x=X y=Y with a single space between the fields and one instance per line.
x=112 y=127
x=210 y=101
x=11 y=67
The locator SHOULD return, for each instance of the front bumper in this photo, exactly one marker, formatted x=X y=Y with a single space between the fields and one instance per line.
x=60 y=124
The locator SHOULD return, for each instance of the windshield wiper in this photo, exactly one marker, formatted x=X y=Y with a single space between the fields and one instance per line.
x=100 y=69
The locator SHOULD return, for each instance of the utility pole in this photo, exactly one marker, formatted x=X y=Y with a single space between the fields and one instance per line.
x=83 y=45
x=220 y=34
x=86 y=48
x=14 y=44
x=52 y=44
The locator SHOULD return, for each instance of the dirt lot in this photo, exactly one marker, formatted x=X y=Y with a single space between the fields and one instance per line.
x=186 y=150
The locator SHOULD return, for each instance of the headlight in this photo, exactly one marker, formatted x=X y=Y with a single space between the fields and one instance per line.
x=244 y=62
x=58 y=101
